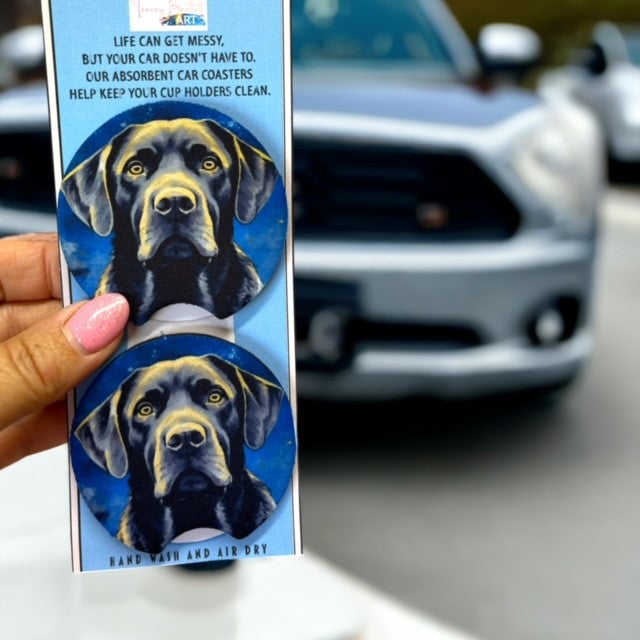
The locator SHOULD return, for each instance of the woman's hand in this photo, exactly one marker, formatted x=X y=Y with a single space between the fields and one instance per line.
x=44 y=350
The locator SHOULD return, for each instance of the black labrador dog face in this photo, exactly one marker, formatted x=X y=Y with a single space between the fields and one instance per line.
x=179 y=428
x=170 y=190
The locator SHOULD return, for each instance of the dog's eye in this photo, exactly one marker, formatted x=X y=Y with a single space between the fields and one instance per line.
x=210 y=163
x=216 y=396
x=135 y=168
x=144 y=409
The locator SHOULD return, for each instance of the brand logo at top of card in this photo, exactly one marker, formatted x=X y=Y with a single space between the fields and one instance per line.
x=168 y=15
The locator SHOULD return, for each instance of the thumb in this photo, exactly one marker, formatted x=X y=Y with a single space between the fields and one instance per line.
x=39 y=365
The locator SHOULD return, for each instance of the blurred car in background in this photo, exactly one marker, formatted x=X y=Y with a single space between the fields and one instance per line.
x=26 y=171
x=605 y=78
x=445 y=232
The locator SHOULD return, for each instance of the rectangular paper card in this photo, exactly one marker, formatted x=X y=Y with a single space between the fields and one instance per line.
x=171 y=129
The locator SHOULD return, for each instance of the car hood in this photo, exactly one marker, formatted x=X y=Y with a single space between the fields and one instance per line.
x=451 y=104
x=456 y=105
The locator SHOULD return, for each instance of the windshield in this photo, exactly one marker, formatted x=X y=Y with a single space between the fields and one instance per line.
x=384 y=33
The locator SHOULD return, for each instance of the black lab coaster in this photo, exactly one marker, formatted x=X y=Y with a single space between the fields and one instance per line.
x=173 y=203
x=181 y=438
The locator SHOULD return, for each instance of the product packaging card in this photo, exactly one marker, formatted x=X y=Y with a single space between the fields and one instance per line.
x=172 y=150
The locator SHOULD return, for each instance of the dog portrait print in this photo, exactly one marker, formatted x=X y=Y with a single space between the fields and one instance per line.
x=177 y=431
x=170 y=193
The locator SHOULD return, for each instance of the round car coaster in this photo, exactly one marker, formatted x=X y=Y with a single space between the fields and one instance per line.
x=173 y=203
x=183 y=433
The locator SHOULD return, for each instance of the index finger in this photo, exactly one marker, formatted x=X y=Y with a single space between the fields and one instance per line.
x=29 y=267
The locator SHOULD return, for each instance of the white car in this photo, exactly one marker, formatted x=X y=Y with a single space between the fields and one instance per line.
x=606 y=79
x=445 y=234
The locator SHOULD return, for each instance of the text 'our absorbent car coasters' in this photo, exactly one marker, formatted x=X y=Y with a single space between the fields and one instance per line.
x=172 y=152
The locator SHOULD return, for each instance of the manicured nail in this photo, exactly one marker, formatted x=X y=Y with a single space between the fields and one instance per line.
x=99 y=322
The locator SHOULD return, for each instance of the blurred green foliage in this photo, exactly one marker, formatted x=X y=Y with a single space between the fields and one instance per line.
x=563 y=25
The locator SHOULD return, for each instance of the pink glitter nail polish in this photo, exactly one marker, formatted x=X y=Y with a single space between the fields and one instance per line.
x=98 y=322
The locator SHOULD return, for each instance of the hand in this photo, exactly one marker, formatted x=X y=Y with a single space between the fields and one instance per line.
x=44 y=350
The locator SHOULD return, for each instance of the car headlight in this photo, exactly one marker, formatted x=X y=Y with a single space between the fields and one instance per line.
x=561 y=161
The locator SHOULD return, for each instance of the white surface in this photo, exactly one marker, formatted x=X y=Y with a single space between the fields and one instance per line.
x=258 y=599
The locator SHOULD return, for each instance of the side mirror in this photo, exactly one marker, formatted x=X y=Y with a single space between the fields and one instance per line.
x=508 y=50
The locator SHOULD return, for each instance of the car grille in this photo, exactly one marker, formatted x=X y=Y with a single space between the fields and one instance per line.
x=26 y=172
x=385 y=193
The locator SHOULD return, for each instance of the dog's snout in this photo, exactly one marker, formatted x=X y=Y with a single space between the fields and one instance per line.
x=174 y=200
x=185 y=437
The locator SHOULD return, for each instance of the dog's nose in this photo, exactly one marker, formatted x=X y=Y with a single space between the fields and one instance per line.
x=174 y=200
x=185 y=437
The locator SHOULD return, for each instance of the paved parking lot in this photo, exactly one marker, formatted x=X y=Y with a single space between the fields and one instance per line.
x=511 y=519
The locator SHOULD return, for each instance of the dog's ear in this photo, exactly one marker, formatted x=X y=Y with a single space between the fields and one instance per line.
x=256 y=180
x=86 y=191
x=257 y=174
x=262 y=401
x=100 y=436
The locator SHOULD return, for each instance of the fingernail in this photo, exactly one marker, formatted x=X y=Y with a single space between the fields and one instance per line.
x=99 y=322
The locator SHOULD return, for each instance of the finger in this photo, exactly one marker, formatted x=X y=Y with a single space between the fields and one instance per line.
x=15 y=317
x=29 y=267
x=37 y=432
x=39 y=365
